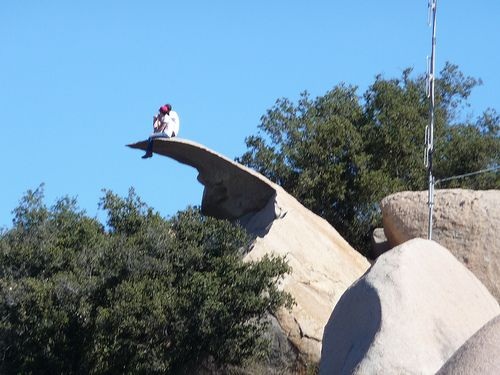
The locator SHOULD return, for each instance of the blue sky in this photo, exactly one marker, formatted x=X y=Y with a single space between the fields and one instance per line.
x=81 y=79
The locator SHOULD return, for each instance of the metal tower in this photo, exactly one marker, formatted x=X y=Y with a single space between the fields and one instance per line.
x=429 y=129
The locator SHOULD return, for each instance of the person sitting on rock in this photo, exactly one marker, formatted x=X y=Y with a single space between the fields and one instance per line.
x=165 y=125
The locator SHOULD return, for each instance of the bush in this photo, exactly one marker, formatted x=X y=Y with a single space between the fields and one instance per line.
x=139 y=295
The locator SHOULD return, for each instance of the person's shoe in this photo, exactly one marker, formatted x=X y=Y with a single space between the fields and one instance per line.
x=147 y=155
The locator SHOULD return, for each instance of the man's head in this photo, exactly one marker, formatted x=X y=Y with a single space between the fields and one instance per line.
x=165 y=109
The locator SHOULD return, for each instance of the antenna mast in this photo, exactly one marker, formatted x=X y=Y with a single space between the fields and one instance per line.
x=429 y=129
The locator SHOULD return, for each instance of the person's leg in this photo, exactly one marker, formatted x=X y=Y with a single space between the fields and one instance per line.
x=149 y=150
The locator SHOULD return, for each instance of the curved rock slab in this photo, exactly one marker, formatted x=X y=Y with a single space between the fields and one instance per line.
x=323 y=264
x=479 y=354
x=407 y=315
x=466 y=222
x=231 y=190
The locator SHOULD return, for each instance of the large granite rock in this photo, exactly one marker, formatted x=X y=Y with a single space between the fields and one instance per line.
x=479 y=354
x=466 y=222
x=323 y=264
x=407 y=315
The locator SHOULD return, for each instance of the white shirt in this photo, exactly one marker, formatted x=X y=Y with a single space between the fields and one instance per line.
x=172 y=123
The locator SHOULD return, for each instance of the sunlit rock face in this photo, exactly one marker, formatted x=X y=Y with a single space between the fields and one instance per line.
x=407 y=315
x=479 y=354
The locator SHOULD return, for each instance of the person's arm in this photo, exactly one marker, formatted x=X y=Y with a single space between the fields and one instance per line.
x=156 y=124
x=164 y=123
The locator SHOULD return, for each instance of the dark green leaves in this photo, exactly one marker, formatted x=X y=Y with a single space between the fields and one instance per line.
x=147 y=295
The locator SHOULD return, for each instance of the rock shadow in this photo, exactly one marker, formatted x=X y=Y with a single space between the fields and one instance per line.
x=351 y=329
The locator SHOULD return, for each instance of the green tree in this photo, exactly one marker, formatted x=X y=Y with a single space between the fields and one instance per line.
x=315 y=151
x=340 y=153
x=141 y=295
x=466 y=148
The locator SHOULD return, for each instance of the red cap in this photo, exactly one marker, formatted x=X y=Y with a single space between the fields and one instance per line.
x=165 y=108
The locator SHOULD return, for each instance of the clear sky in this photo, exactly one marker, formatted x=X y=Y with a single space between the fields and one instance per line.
x=81 y=79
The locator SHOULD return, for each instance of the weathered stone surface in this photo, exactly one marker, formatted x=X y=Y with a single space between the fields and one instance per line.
x=479 y=354
x=407 y=315
x=324 y=264
x=231 y=190
x=466 y=222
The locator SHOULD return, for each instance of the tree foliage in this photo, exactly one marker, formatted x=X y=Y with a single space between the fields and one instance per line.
x=341 y=153
x=139 y=295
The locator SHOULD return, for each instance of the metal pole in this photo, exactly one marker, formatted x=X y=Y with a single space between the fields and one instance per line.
x=430 y=129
